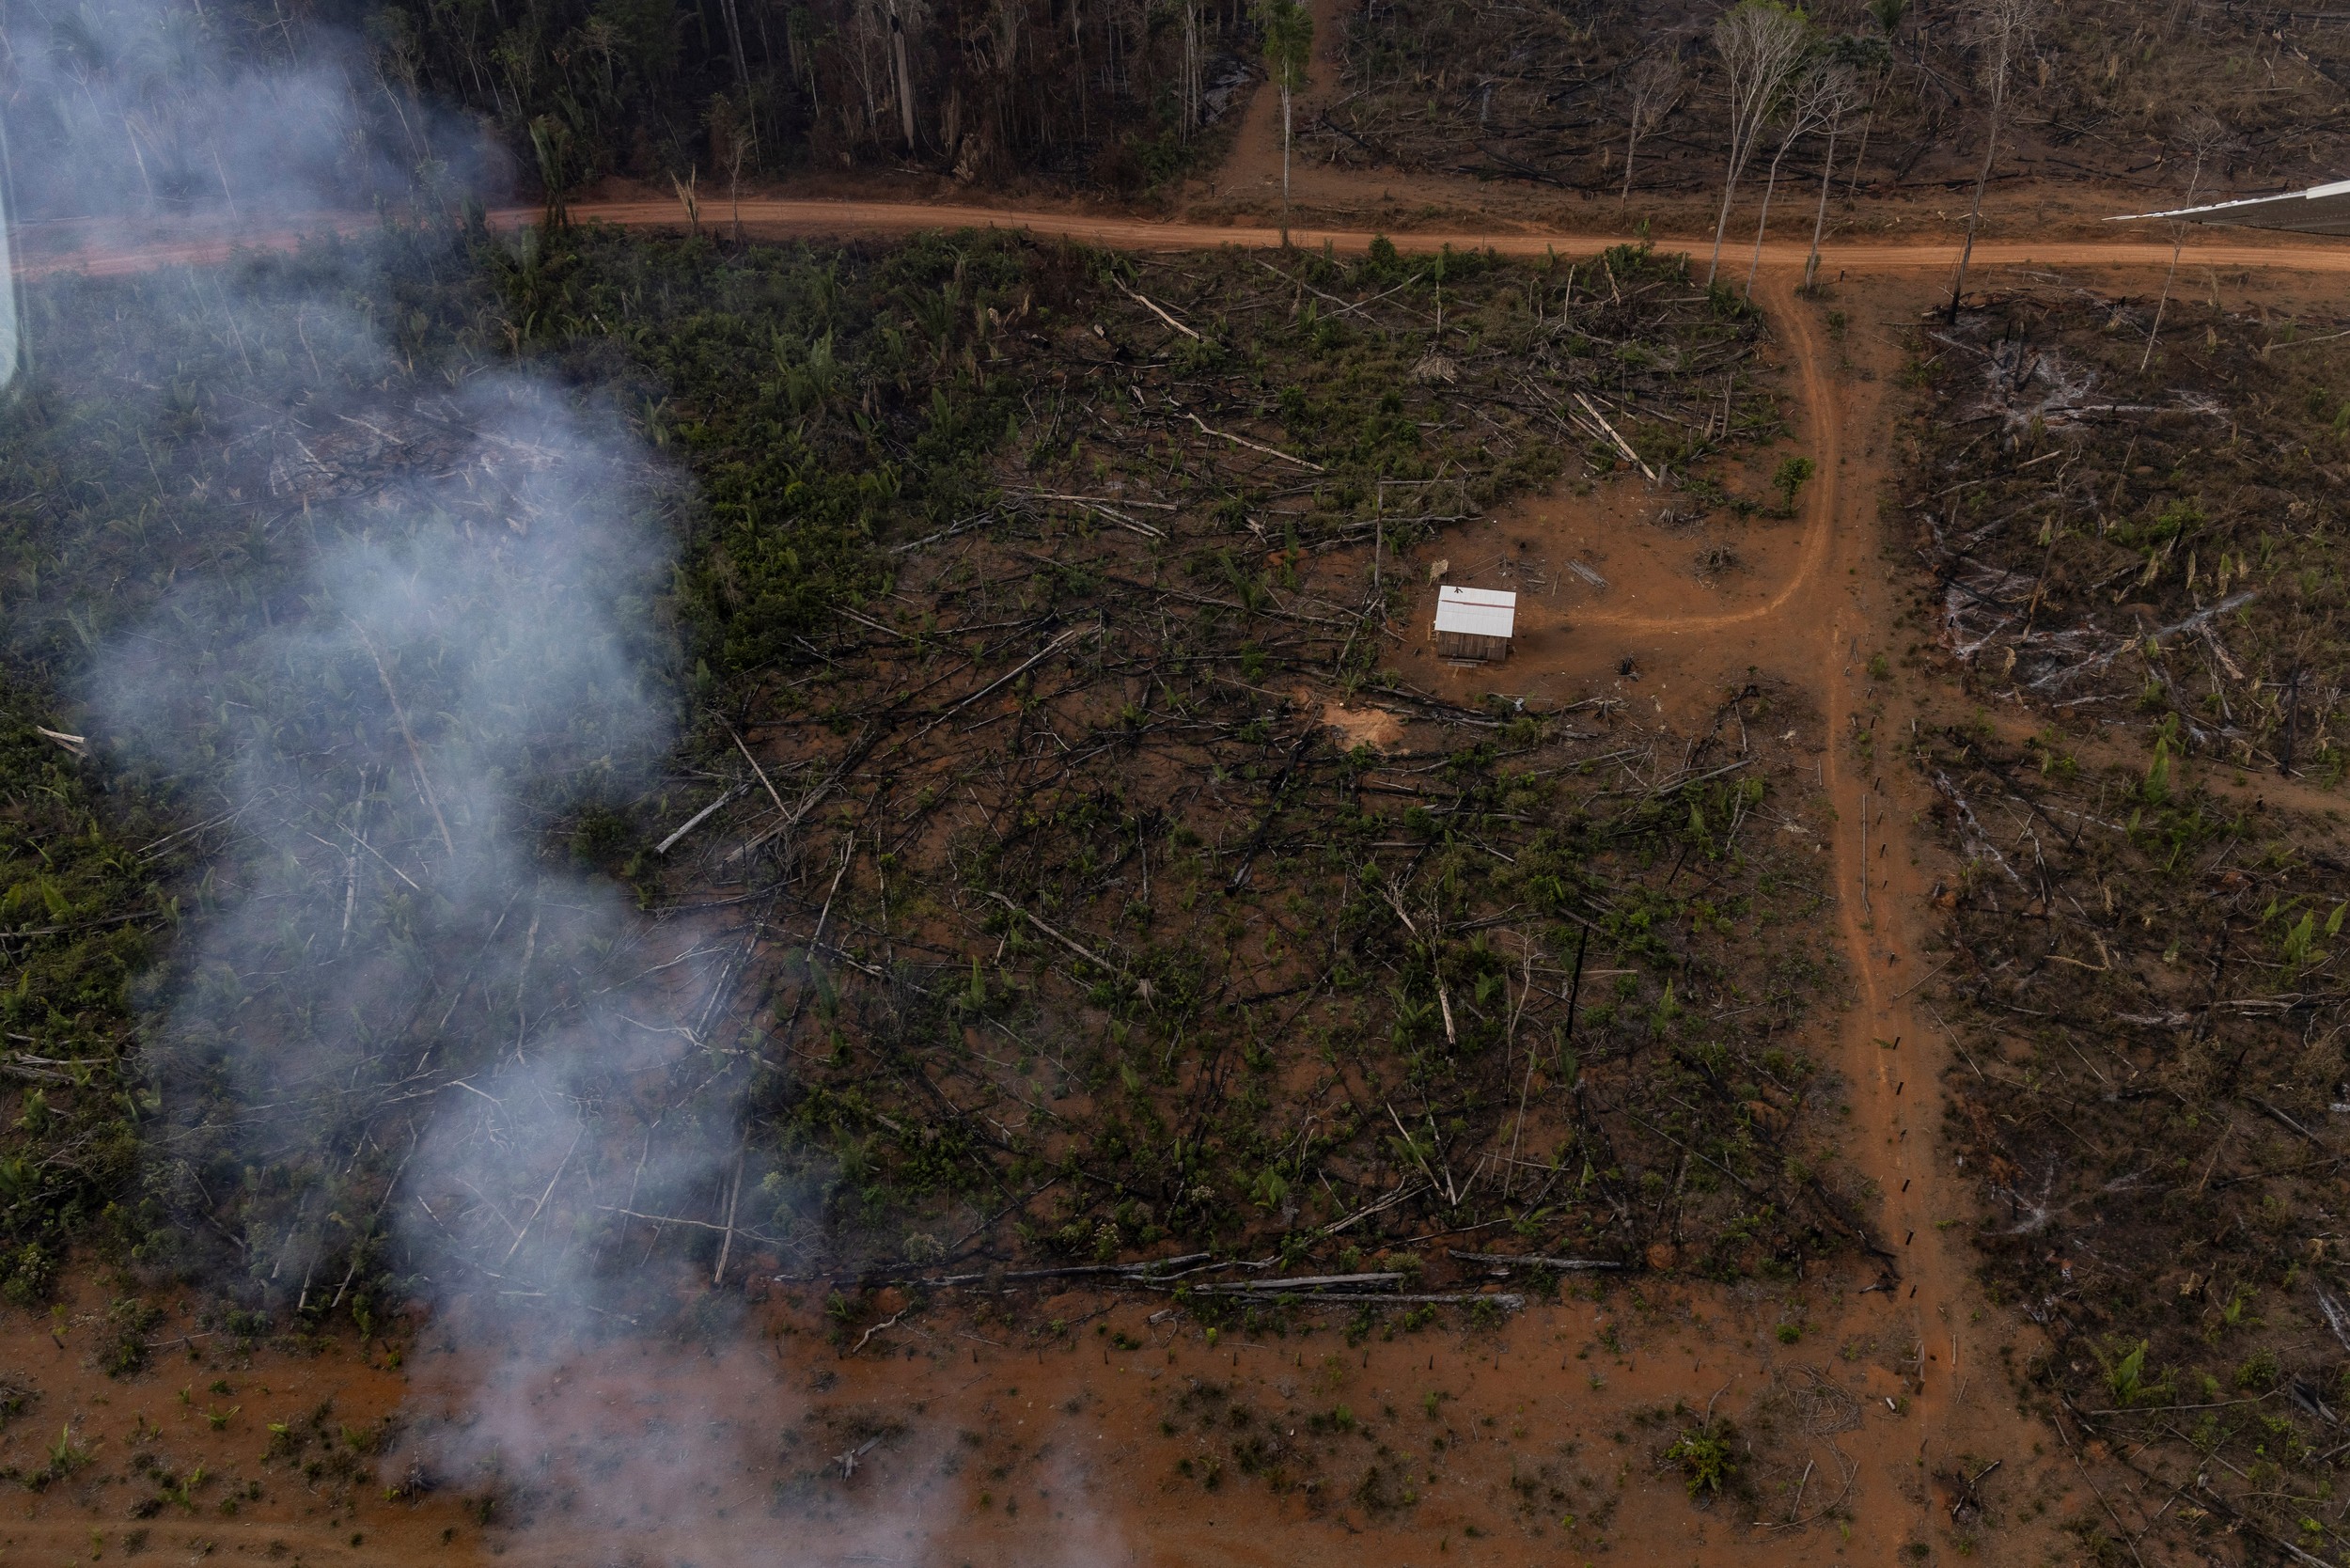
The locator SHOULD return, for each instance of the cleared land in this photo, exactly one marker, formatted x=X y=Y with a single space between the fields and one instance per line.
x=1096 y=865
x=2134 y=579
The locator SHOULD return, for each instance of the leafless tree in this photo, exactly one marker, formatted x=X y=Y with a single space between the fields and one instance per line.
x=1759 y=42
x=2203 y=136
x=1651 y=89
x=1875 y=67
x=1191 y=93
x=734 y=182
x=1818 y=92
x=2000 y=30
x=898 y=24
x=1839 y=91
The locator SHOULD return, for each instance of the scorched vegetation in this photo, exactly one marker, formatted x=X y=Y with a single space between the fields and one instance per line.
x=1011 y=901
x=2134 y=577
x=1567 y=94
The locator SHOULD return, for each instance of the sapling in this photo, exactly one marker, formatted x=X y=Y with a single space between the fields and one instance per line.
x=2205 y=138
x=1704 y=1455
x=1789 y=478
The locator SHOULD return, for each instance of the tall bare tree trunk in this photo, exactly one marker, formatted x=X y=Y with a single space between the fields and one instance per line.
x=2003 y=25
x=1289 y=43
x=1285 y=167
x=734 y=42
x=1721 y=224
x=1191 y=67
x=904 y=73
x=1839 y=94
x=1865 y=126
x=1974 y=209
x=1819 y=219
x=1077 y=51
x=1763 y=222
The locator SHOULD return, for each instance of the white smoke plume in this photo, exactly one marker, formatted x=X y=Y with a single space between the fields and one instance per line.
x=404 y=1039
x=155 y=115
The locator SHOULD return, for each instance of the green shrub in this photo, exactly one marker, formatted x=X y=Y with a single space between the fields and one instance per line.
x=1705 y=1457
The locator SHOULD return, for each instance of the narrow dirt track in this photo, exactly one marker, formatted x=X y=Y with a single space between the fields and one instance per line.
x=1846 y=617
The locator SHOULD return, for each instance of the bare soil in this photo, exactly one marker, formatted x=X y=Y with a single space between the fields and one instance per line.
x=972 y=1445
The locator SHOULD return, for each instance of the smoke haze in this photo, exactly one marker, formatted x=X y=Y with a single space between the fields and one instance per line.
x=142 y=111
x=405 y=1039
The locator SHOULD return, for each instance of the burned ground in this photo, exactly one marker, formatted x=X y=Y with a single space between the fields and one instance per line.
x=1102 y=942
x=1541 y=94
x=2143 y=938
x=1041 y=920
x=2143 y=541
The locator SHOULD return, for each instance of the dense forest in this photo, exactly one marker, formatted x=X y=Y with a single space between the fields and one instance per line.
x=533 y=96
x=126 y=105
x=1116 y=94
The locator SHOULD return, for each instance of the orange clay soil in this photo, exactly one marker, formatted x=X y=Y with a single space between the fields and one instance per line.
x=1337 y=208
x=1535 y=1441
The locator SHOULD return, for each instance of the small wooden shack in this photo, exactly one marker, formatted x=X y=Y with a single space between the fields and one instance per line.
x=1475 y=623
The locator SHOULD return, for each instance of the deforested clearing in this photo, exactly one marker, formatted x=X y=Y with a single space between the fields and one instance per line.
x=1005 y=912
x=2133 y=578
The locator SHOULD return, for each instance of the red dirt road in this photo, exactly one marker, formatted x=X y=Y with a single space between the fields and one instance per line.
x=111 y=249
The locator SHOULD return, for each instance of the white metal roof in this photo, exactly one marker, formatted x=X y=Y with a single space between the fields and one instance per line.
x=2319 y=209
x=1477 y=612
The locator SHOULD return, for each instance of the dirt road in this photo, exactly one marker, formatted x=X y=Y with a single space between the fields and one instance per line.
x=102 y=250
x=1838 y=611
x=1820 y=624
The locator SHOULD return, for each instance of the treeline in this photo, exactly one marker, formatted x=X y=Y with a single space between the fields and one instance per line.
x=168 y=106
x=1112 y=91
x=176 y=108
